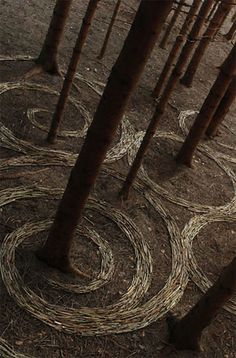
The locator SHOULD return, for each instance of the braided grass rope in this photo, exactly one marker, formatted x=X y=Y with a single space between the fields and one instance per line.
x=128 y=313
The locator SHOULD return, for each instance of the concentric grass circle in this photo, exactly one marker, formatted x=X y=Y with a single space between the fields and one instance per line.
x=124 y=315
x=160 y=190
x=189 y=233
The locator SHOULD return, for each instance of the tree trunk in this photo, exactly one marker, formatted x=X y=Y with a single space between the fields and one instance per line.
x=104 y=46
x=213 y=9
x=48 y=55
x=188 y=47
x=222 y=109
x=217 y=92
x=171 y=24
x=215 y=24
x=233 y=19
x=160 y=109
x=231 y=31
x=57 y=116
x=124 y=76
x=186 y=332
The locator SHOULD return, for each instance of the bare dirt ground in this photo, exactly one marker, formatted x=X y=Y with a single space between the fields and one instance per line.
x=186 y=195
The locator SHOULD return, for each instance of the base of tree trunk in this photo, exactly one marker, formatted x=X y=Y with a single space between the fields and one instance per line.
x=51 y=139
x=100 y=57
x=186 y=82
x=177 y=336
x=184 y=161
x=123 y=194
x=62 y=264
x=211 y=136
x=49 y=65
x=39 y=68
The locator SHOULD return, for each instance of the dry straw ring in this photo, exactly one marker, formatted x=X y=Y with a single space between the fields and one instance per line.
x=9 y=140
x=7 y=352
x=130 y=142
x=107 y=265
x=30 y=86
x=183 y=117
x=159 y=190
x=189 y=233
x=115 y=153
x=126 y=314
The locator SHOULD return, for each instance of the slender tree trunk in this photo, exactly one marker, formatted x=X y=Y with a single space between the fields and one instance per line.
x=124 y=76
x=231 y=31
x=47 y=59
x=160 y=109
x=188 y=47
x=233 y=19
x=219 y=27
x=57 y=116
x=186 y=332
x=222 y=109
x=104 y=46
x=217 y=92
x=171 y=24
x=213 y=9
x=215 y=24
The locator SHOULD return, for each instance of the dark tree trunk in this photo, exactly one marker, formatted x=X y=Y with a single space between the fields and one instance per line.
x=171 y=24
x=217 y=92
x=186 y=332
x=215 y=24
x=222 y=109
x=124 y=76
x=189 y=45
x=57 y=116
x=104 y=46
x=47 y=59
x=213 y=9
x=231 y=31
x=160 y=109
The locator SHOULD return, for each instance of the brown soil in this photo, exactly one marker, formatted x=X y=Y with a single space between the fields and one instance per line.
x=23 y=28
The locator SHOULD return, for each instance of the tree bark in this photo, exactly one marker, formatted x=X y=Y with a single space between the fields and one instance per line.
x=186 y=332
x=213 y=9
x=160 y=109
x=124 y=76
x=231 y=31
x=188 y=47
x=215 y=24
x=57 y=116
x=217 y=92
x=48 y=56
x=171 y=24
x=104 y=46
x=222 y=109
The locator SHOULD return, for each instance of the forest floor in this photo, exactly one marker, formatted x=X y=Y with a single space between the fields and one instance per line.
x=176 y=232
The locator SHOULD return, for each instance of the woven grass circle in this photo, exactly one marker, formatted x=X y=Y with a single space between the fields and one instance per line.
x=189 y=233
x=124 y=315
x=159 y=190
